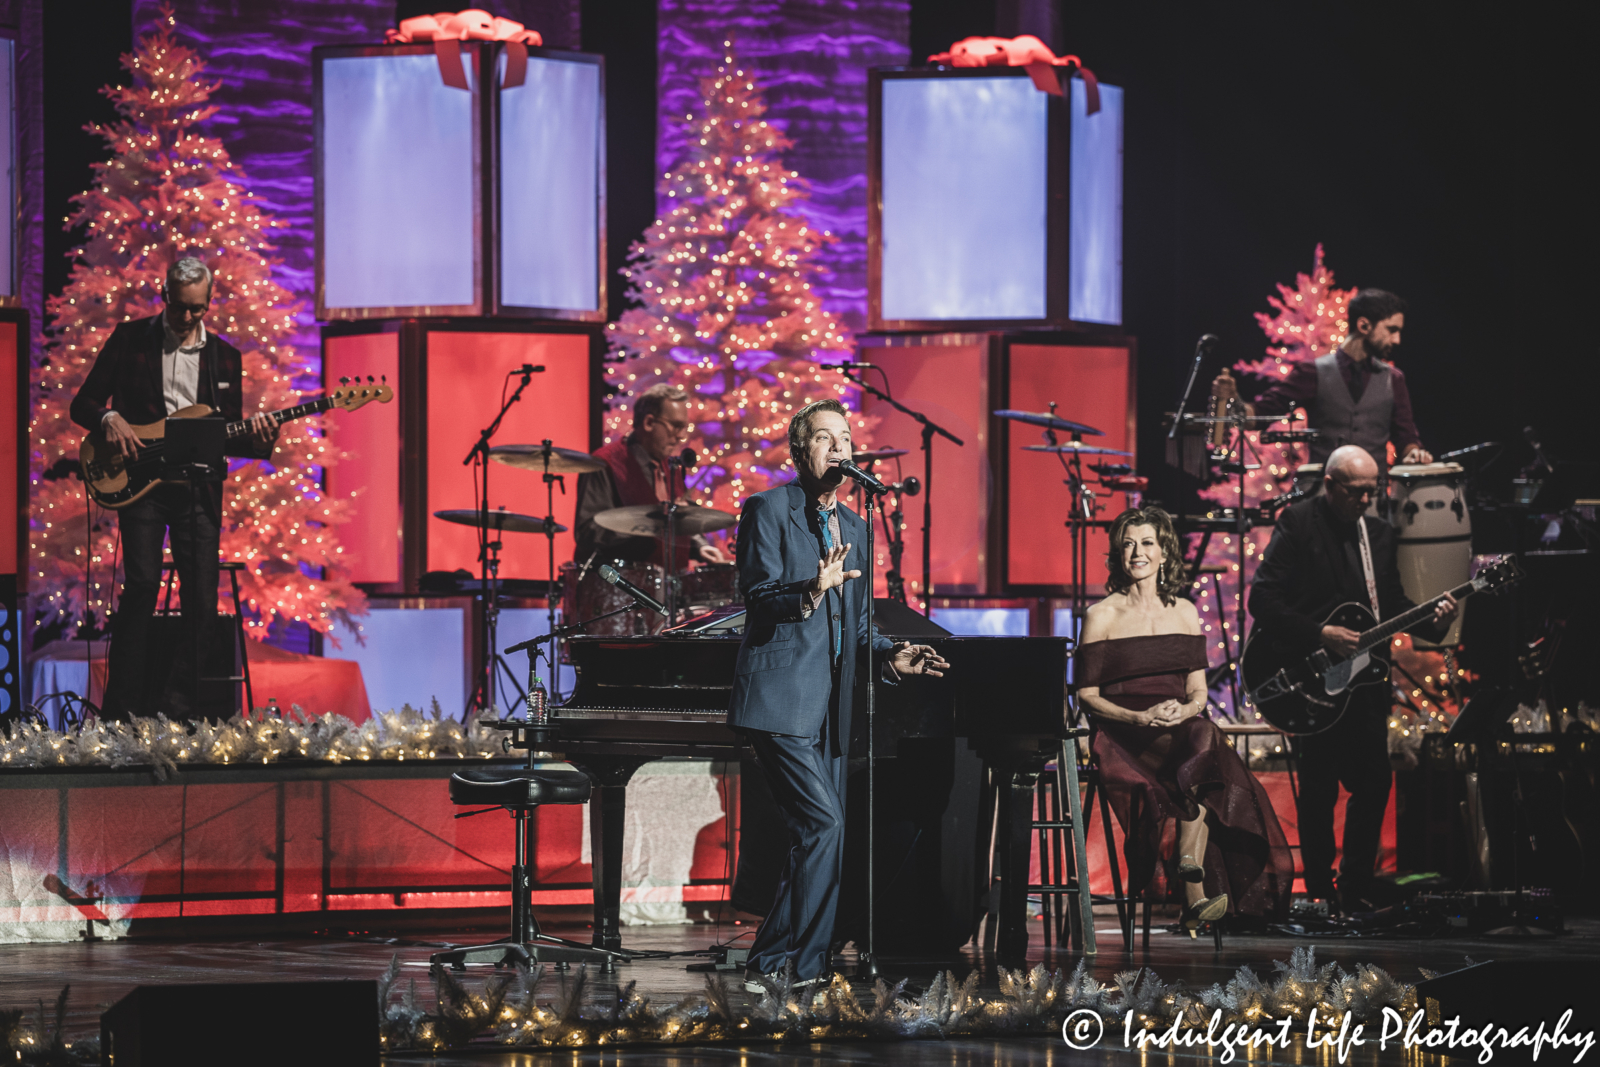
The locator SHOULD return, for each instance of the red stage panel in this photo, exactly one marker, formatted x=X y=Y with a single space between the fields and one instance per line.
x=1089 y=385
x=465 y=372
x=371 y=468
x=10 y=433
x=949 y=384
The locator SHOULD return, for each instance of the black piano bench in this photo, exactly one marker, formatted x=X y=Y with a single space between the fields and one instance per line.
x=519 y=790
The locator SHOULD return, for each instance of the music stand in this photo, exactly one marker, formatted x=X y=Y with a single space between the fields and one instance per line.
x=192 y=452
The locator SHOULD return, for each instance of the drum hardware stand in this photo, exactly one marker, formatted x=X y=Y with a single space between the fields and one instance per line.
x=1084 y=507
x=894 y=534
x=1233 y=644
x=929 y=428
x=552 y=592
x=483 y=693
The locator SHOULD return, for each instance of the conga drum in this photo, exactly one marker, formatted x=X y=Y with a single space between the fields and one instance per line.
x=1433 y=528
x=1308 y=479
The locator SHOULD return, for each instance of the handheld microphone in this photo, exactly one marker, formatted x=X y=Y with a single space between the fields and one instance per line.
x=640 y=597
x=862 y=478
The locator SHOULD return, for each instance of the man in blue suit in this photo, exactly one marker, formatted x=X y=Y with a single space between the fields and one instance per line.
x=806 y=623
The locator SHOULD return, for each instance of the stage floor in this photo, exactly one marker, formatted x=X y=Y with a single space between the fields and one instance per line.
x=101 y=973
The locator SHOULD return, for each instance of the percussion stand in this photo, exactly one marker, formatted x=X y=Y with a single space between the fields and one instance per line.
x=488 y=571
x=1233 y=644
x=929 y=429
x=547 y=450
x=1078 y=524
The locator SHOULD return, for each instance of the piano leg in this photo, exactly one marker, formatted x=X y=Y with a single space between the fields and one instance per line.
x=608 y=810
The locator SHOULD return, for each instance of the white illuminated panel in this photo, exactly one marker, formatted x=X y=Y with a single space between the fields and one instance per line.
x=1094 y=290
x=410 y=656
x=8 y=166
x=549 y=187
x=397 y=184
x=983 y=622
x=964 y=196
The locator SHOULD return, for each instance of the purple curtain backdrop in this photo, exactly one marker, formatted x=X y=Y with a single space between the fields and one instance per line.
x=812 y=57
x=26 y=18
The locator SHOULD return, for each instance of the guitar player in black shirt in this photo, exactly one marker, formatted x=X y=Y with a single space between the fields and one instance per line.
x=1314 y=563
x=148 y=369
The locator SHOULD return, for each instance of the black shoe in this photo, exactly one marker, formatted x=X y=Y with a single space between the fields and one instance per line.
x=755 y=982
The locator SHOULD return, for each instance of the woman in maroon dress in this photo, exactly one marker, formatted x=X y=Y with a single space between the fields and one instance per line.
x=1141 y=672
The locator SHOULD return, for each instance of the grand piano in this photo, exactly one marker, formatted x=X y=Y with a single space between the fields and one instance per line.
x=996 y=716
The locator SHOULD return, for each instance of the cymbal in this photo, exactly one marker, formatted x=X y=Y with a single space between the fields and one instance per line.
x=878 y=453
x=508 y=521
x=647 y=520
x=1079 y=447
x=534 y=458
x=1053 y=422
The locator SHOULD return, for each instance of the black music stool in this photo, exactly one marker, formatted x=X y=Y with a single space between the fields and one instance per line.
x=519 y=790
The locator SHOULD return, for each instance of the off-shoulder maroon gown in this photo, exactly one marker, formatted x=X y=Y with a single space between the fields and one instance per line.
x=1154 y=775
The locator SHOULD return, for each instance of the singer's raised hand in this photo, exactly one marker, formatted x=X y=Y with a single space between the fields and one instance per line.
x=830 y=569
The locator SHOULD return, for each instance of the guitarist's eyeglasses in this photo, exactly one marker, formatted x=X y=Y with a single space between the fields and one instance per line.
x=1356 y=491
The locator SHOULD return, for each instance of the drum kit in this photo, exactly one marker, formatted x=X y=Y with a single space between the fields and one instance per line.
x=581 y=587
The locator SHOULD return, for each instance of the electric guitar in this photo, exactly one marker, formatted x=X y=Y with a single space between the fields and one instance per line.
x=1308 y=696
x=115 y=480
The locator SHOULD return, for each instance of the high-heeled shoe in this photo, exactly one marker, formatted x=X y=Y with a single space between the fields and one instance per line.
x=1190 y=872
x=1204 y=911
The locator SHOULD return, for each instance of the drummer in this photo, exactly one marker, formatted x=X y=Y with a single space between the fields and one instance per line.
x=1354 y=395
x=637 y=472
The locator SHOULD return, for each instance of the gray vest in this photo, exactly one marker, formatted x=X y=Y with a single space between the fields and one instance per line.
x=1343 y=421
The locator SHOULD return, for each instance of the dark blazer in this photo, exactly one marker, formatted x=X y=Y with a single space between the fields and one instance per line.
x=1303 y=577
x=784 y=682
x=126 y=378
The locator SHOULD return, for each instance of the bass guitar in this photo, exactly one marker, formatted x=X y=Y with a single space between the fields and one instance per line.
x=1308 y=696
x=115 y=481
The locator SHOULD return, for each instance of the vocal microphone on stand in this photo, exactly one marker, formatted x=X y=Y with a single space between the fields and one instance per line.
x=530 y=368
x=861 y=477
x=852 y=366
x=910 y=487
x=640 y=597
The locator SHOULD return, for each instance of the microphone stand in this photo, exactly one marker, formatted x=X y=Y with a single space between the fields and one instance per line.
x=870 y=955
x=483 y=693
x=929 y=428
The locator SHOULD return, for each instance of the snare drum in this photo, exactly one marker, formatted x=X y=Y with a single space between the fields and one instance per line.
x=592 y=595
x=1433 y=528
x=710 y=585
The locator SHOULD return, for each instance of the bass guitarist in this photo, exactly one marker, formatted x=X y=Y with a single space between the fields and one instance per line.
x=1325 y=552
x=146 y=370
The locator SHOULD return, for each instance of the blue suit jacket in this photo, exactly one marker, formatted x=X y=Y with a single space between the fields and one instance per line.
x=785 y=682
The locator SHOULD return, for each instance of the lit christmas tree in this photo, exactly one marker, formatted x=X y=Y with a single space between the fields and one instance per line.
x=167 y=192
x=727 y=308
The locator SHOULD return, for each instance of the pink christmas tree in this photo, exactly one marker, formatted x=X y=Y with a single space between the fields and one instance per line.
x=167 y=192
x=727 y=308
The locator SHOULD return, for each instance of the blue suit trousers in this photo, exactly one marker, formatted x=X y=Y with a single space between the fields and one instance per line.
x=808 y=785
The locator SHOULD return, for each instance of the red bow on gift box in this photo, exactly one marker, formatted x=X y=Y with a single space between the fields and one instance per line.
x=1025 y=51
x=448 y=29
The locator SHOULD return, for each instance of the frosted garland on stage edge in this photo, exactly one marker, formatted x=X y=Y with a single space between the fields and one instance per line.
x=169 y=191
x=268 y=736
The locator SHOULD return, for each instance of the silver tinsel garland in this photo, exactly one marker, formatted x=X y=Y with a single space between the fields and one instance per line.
x=507 y=1009
x=266 y=735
